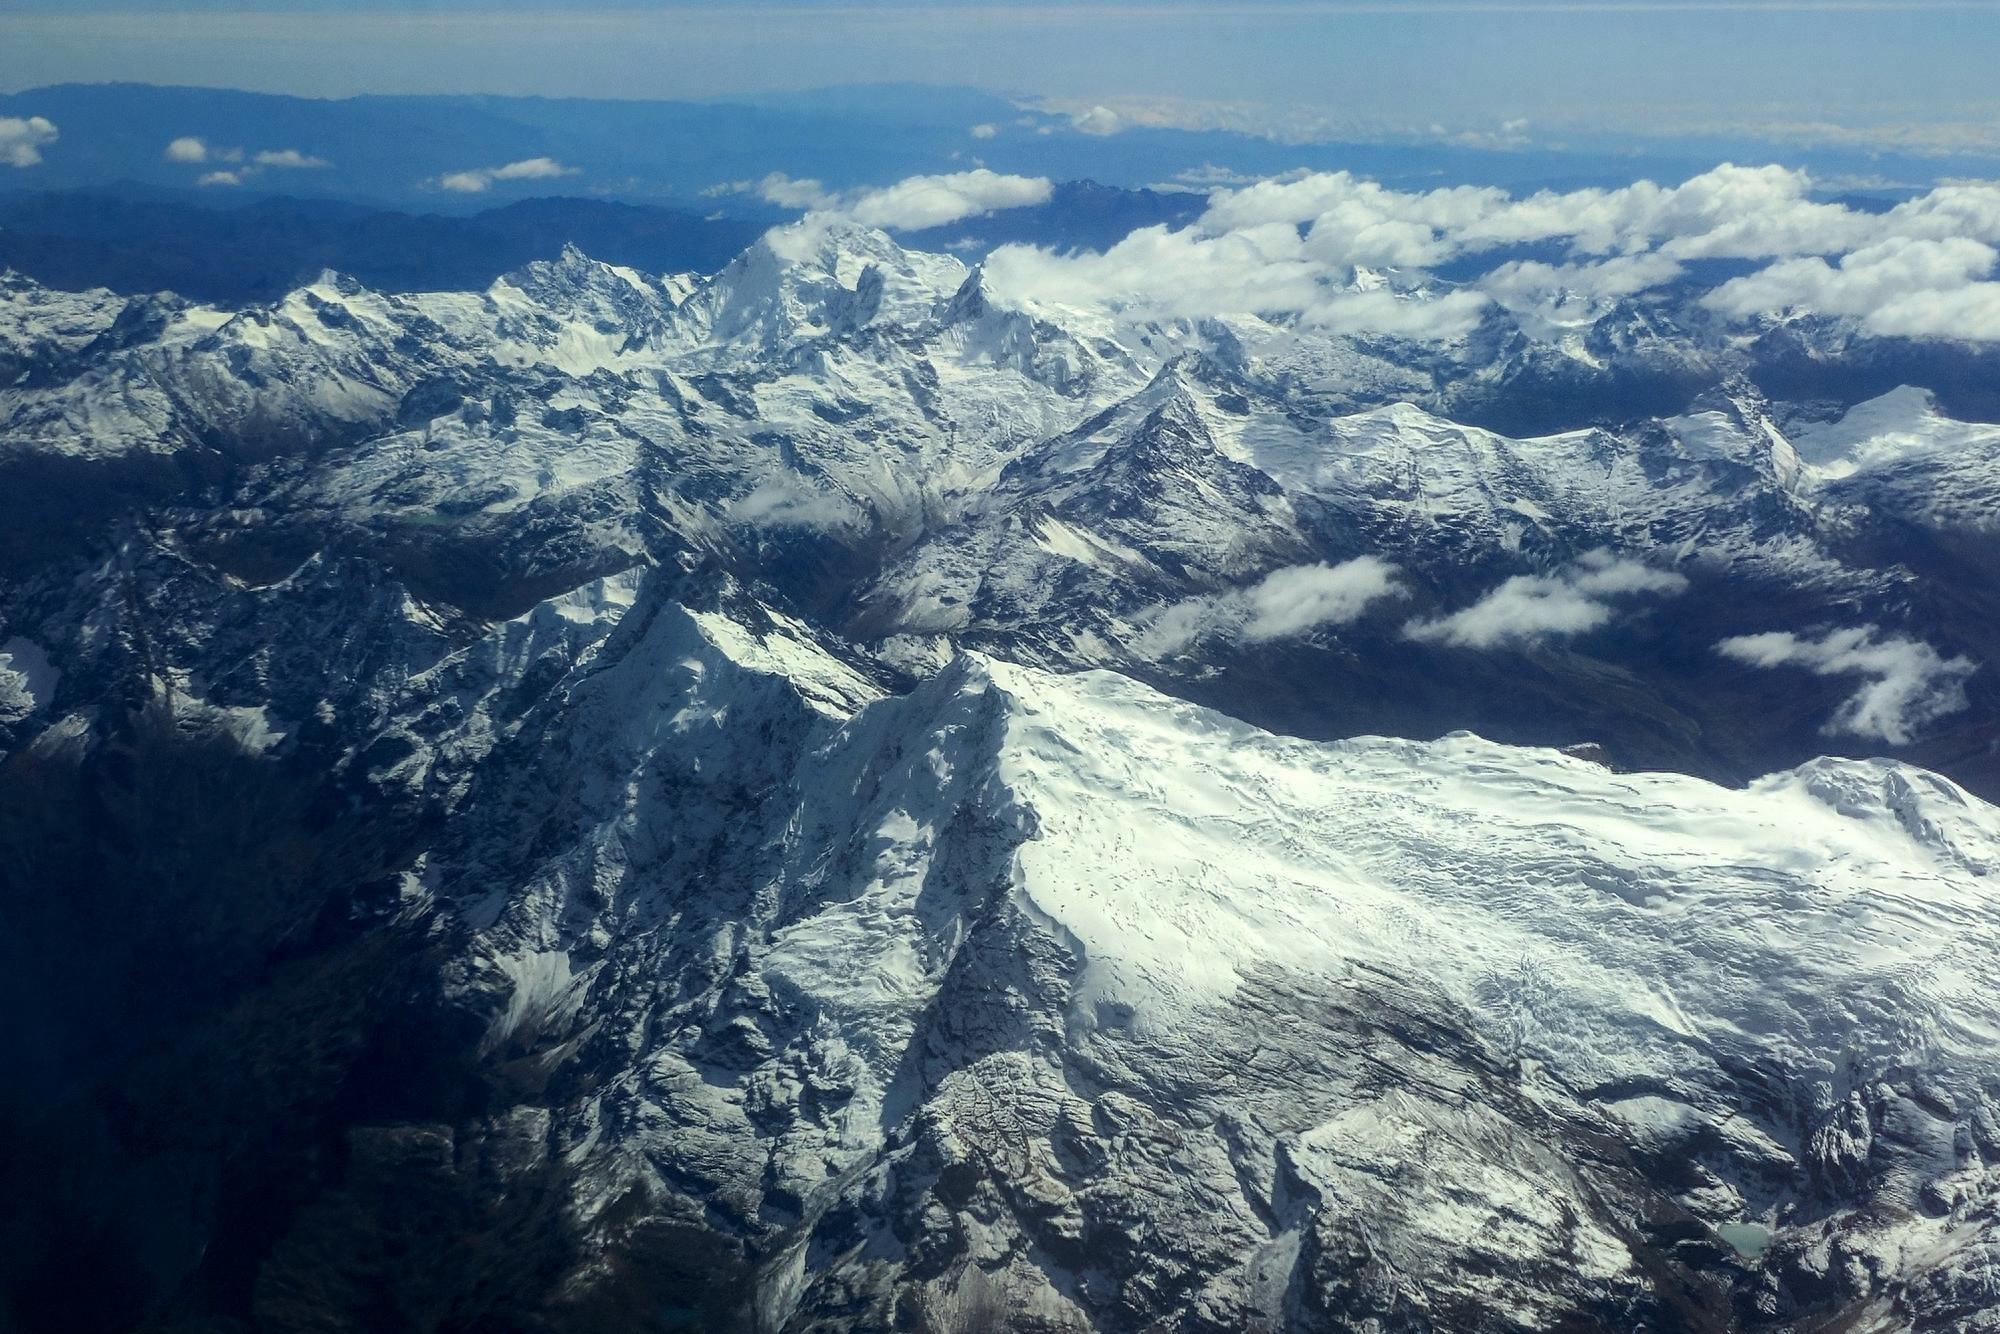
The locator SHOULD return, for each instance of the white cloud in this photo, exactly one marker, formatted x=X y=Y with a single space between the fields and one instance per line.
x=1290 y=246
x=289 y=158
x=908 y=205
x=1521 y=610
x=1731 y=211
x=1210 y=175
x=192 y=150
x=1897 y=286
x=480 y=179
x=1528 y=608
x=1281 y=605
x=1247 y=255
x=1182 y=272
x=1562 y=293
x=1296 y=124
x=1972 y=311
x=1295 y=247
x=1908 y=684
x=1508 y=134
x=1097 y=120
x=1265 y=269
x=23 y=138
x=1353 y=202
x=787 y=502
x=532 y=169
x=933 y=201
x=1307 y=123
x=781 y=191
x=1601 y=574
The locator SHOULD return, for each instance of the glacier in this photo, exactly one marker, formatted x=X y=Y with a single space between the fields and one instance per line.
x=816 y=797
x=1052 y=994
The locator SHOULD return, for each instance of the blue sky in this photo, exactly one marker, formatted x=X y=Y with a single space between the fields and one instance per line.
x=1907 y=71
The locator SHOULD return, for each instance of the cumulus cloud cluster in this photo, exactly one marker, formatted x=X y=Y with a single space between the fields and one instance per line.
x=480 y=179
x=909 y=205
x=1298 y=246
x=1899 y=286
x=1250 y=270
x=1906 y=684
x=1532 y=607
x=233 y=166
x=22 y=139
x=1283 y=604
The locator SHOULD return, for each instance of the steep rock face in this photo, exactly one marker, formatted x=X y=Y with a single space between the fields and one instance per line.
x=1054 y=1002
x=597 y=770
x=1052 y=996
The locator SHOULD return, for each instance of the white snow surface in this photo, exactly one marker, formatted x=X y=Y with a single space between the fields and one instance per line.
x=1627 y=946
x=27 y=679
x=1902 y=424
x=1842 y=915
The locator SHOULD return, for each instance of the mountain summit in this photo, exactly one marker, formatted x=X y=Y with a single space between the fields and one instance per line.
x=840 y=795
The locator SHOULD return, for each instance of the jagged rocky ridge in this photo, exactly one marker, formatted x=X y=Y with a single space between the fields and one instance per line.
x=598 y=772
x=864 y=435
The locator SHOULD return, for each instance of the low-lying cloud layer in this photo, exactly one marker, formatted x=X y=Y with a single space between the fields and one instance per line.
x=22 y=139
x=1282 y=604
x=1907 y=684
x=909 y=205
x=1897 y=286
x=1529 y=608
x=1299 y=247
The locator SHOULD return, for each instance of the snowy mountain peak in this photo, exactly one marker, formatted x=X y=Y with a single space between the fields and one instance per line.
x=1882 y=431
x=577 y=286
x=814 y=780
x=1044 y=907
x=816 y=276
x=1734 y=424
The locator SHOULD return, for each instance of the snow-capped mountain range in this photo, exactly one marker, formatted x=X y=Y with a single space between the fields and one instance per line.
x=830 y=796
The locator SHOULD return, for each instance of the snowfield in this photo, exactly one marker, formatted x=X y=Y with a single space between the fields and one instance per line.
x=1122 y=967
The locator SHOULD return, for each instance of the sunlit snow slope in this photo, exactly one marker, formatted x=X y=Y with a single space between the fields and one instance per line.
x=1056 y=996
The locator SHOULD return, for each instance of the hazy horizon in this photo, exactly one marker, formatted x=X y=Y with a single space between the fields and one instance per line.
x=1909 y=77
